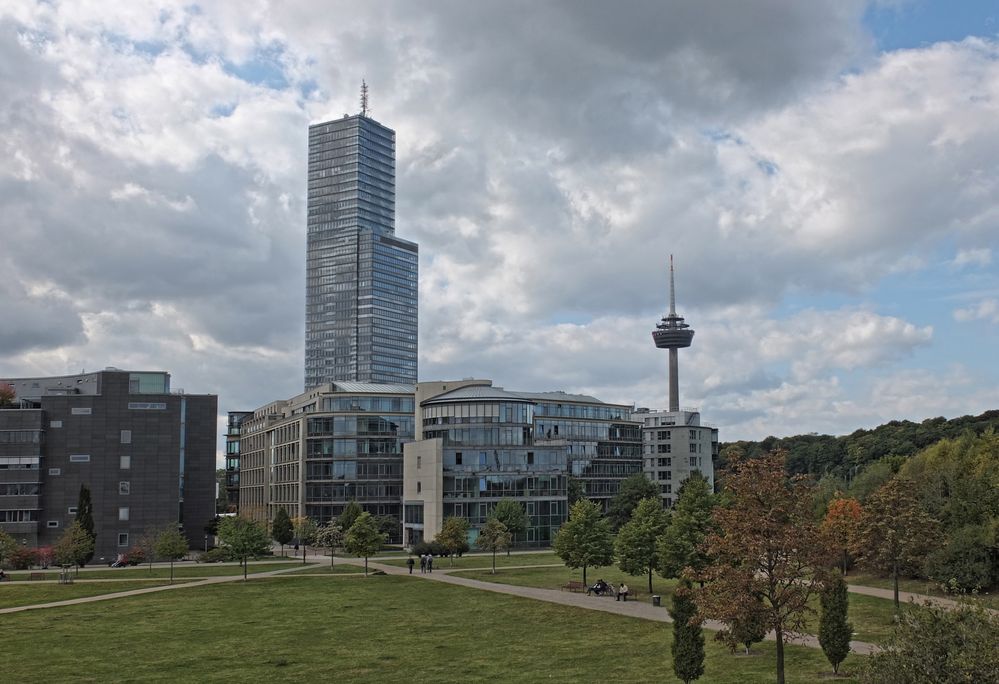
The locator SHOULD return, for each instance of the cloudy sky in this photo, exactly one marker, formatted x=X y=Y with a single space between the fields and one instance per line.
x=825 y=173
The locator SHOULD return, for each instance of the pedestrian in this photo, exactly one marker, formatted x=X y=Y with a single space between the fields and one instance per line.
x=622 y=592
x=423 y=564
x=430 y=562
x=410 y=562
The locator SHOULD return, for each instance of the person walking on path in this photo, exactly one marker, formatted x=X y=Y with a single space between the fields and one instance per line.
x=622 y=592
x=430 y=562
x=423 y=564
x=410 y=563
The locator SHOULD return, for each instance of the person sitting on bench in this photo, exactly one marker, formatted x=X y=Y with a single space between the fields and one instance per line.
x=622 y=592
x=599 y=588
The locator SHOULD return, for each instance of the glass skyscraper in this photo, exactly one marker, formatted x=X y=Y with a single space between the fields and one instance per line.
x=361 y=280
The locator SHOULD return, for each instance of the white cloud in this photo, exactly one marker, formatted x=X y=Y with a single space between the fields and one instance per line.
x=985 y=310
x=980 y=256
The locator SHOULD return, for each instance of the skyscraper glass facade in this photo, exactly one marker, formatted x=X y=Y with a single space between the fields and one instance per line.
x=361 y=280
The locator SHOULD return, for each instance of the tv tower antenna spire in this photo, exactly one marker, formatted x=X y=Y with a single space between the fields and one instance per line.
x=365 y=109
x=673 y=333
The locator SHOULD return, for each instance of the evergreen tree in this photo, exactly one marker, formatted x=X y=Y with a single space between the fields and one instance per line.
x=746 y=623
x=632 y=490
x=511 y=513
x=364 y=538
x=681 y=545
x=171 y=545
x=636 y=542
x=688 y=639
x=584 y=540
x=85 y=516
x=351 y=512
x=834 y=630
x=494 y=536
x=576 y=491
x=281 y=529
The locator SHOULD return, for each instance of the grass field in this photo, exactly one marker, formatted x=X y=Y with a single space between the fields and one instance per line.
x=158 y=572
x=325 y=569
x=922 y=587
x=378 y=629
x=26 y=594
x=465 y=562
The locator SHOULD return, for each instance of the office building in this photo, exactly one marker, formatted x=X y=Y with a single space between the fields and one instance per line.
x=361 y=279
x=234 y=423
x=146 y=453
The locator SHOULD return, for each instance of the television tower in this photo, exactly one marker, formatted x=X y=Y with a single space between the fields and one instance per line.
x=672 y=333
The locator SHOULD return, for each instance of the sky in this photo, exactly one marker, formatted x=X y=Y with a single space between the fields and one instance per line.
x=825 y=173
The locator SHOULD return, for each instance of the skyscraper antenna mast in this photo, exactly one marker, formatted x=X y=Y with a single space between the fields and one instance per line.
x=365 y=110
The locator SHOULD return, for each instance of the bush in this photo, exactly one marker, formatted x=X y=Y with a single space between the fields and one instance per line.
x=217 y=555
x=22 y=558
x=135 y=556
x=432 y=547
x=43 y=556
x=965 y=562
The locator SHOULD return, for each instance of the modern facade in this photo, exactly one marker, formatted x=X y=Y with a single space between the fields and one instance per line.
x=361 y=280
x=314 y=453
x=477 y=444
x=147 y=455
x=234 y=424
x=674 y=445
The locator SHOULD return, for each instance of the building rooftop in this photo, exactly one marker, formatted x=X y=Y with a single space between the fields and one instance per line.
x=372 y=388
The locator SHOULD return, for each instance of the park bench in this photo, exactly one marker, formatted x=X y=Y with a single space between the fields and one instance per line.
x=573 y=585
x=36 y=576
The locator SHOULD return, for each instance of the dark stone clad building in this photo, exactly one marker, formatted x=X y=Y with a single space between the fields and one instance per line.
x=147 y=455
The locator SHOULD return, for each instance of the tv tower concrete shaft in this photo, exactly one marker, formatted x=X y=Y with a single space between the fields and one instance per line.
x=672 y=333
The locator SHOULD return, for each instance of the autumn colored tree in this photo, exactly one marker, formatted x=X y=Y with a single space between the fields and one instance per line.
x=767 y=548
x=895 y=532
x=453 y=536
x=636 y=542
x=584 y=540
x=7 y=394
x=841 y=524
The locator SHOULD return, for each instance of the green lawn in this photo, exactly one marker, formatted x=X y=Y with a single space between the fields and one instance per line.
x=989 y=600
x=325 y=569
x=465 y=562
x=378 y=629
x=157 y=572
x=26 y=594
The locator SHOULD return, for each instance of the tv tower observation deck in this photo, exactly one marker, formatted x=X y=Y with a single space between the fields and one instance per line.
x=673 y=333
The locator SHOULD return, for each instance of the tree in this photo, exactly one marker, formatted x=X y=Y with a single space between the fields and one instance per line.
x=688 y=639
x=74 y=547
x=841 y=524
x=895 y=532
x=512 y=514
x=494 y=536
x=171 y=545
x=85 y=516
x=834 y=630
x=575 y=488
x=388 y=524
x=7 y=546
x=351 y=512
x=967 y=561
x=245 y=538
x=746 y=624
x=147 y=542
x=364 y=538
x=682 y=544
x=767 y=547
x=305 y=530
x=632 y=490
x=636 y=543
x=453 y=536
x=584 y=540
x=939 y=645
x=330 y=536
x=281 y=528
x=7 y=394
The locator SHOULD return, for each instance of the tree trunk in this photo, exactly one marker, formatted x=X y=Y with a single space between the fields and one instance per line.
x=282 y=550
x=780 y=654
x=171 y=571
x=894 y=577
x=331 y=557
x=494 y=561
x=304 y=547
x=244 y=569
x=650 y=579
x=844 y=562
x=584 y=576
x=365 y=566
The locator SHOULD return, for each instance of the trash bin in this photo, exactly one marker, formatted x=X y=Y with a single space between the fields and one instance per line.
x=657 y=600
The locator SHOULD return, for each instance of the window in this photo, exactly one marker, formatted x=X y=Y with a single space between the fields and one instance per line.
x=693 y=461
x=52 y=523
x=81 y=411
x=123 y=513
x=665 y=462
x=419 y=488
x=124 y=488
x=693 y=448
x=123 y=539
x=71 y=510
x=126 y=436
x=693 y=434
x=665 y=448
x=530 y=458
x=457 y=458
x=419 y=462
x=146 y=406
x=79 y=458
x=664 y=434
x=53 y=472
x=124 y=462
x=55 y=424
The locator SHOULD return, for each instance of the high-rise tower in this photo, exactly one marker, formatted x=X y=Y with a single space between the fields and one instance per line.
x=361 y=280
x=672 y=333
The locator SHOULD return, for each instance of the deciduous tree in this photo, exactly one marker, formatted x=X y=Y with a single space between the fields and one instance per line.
x=74 y=547
x=305 y=531
x=494 y=536
x=834 y=630
x=245 y=538
x=7 y=394
x=895 y=532
x=768 y=547
x=511 y=513
x=364 y=538
x=453 y=536
x=688 y=639
x=331 y=536
x=682 y=544
x=171 y=545
x=841 y=524
x=632 y=490
x=281 y=529
x=636 y=543
x=7 y=546
x=745 y=623
x=584 y=540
